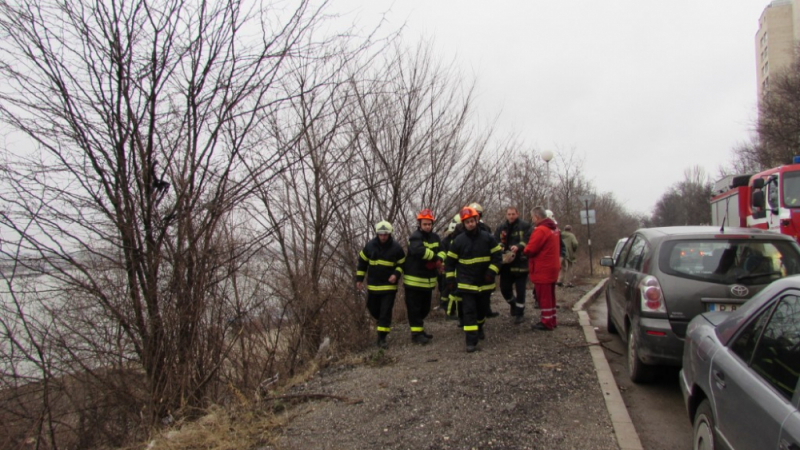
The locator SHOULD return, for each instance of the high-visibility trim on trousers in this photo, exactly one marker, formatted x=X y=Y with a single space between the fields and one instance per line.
x=473 y=288
x=427 y=283
x=417 y=329
x=384 y=329
x=388 y=287
x=453 y=302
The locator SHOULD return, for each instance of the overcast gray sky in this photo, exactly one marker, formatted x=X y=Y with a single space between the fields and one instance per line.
x=642 y=89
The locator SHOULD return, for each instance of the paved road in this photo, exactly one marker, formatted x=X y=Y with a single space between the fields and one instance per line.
x=656 y=409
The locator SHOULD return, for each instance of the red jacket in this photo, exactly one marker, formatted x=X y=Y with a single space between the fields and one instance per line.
x=544 y=252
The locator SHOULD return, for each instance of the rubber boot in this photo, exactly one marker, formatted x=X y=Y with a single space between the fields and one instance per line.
x=419 y=339
x=472 y=341
x=382 y=340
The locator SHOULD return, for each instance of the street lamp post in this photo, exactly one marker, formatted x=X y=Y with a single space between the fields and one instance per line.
x=547 y=155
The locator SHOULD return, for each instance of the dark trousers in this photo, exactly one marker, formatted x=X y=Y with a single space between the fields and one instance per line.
x=475 y=306
x=418 y=306
x=511 y=281
x=380 y=305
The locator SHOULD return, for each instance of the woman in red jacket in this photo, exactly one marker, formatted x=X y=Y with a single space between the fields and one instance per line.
x=543 y=252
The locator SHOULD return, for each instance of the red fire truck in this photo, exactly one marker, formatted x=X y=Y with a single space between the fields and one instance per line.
x=769 y=200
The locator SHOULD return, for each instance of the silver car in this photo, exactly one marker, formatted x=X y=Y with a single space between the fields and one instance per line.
x=664 y=277
x=741 y=373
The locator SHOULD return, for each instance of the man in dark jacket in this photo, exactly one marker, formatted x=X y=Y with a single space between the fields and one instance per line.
x=483 y=226
x=383 y=258
x=423 y=264
x=543 y=250
x=512 y=235
x=472 y=264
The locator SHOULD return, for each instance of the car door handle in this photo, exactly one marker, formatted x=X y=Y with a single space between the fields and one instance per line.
x=719 y=377
x=785 y=445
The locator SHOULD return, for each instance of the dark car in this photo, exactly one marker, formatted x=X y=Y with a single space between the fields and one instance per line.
x=664 y=277
x=618 y=248
x=741 y=373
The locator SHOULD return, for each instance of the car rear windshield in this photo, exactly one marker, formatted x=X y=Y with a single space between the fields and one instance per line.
x=729 y=261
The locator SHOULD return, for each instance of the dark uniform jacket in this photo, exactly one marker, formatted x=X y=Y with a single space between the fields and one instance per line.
x=517 y=233
x=472 y=256
x=424 y=250
x=381 y=261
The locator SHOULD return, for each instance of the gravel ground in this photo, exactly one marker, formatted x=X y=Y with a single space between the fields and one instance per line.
x=521 y=390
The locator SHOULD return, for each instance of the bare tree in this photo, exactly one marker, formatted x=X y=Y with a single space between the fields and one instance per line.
x=523 y=178
x=570 y=184
x=745 y=159
x=779 y=118
x=687 y=202
x=146 y=129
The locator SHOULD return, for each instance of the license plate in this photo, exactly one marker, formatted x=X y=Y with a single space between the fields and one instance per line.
x=722 y=307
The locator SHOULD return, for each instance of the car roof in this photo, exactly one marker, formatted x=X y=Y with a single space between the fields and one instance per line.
x=700 y=231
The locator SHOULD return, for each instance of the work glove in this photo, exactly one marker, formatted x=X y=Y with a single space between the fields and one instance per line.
x=489 y=277
x=430 y=265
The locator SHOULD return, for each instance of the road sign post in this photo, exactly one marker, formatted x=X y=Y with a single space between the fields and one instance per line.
x=588 y=218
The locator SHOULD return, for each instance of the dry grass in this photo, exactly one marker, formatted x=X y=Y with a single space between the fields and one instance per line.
x=245 y=423
x=233 y=428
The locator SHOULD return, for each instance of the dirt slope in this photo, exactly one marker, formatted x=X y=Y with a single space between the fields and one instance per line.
x=521 y=390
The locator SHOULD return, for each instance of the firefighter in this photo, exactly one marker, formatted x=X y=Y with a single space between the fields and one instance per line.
x=481 y=224
x=383 y=258
x=512 y=235
x=424 y=262
x=472 y=264
x=477 y=206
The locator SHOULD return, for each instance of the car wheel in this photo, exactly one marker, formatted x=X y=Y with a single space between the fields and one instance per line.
x=703 y=434
x=609 y=323
x=638 y=371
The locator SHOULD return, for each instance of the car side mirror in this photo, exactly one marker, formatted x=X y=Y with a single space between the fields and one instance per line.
x=607 y=261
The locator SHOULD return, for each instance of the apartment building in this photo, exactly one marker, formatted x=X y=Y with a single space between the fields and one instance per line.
x=775 y=41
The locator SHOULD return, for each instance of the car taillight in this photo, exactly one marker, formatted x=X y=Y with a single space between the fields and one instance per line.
x=652 y=298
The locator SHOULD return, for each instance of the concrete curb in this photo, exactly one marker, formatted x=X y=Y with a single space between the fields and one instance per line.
x=627 y=439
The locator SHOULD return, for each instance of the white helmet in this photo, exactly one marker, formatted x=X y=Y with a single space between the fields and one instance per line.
x=383 y=227
x=550 y=216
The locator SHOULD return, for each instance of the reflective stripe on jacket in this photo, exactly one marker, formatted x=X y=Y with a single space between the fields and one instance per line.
x=378 y=262
x=424 y=250
x=517 y=233
x=471 y=256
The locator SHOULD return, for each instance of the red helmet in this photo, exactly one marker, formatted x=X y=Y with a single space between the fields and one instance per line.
x=468 y=212
x=426 y=214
